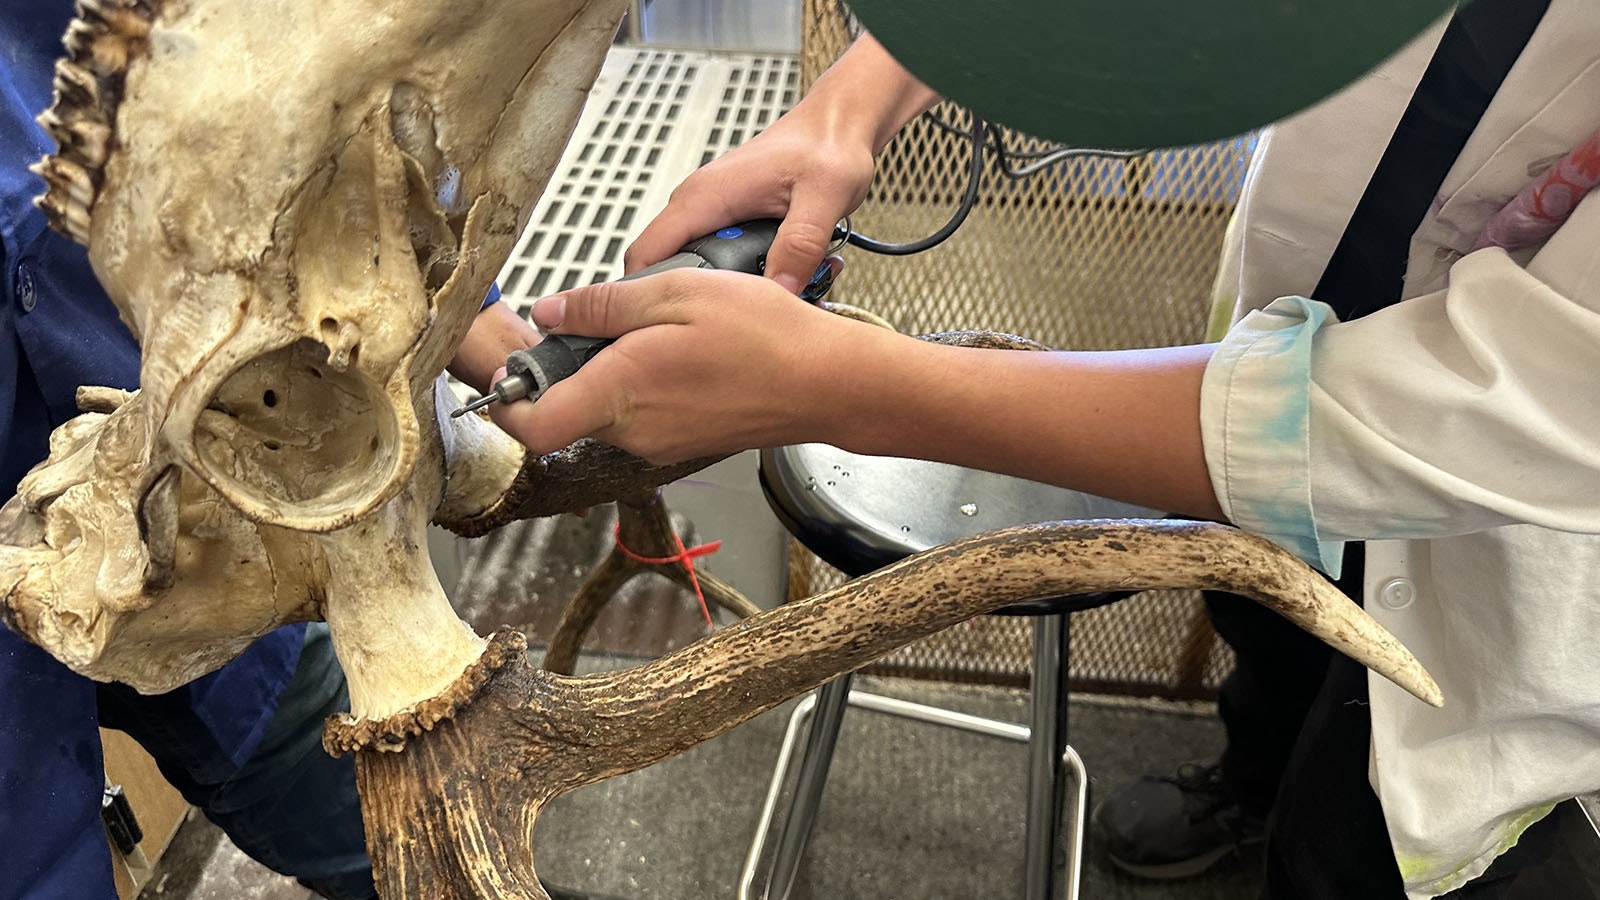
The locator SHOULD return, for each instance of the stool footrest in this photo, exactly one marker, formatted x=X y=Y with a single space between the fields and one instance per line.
x=921 y=712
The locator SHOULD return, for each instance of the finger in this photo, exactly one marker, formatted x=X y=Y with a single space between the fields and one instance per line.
x=692 y=212
x=611 y=309
x=567 y=412
x=495 y=333
x=802 y=241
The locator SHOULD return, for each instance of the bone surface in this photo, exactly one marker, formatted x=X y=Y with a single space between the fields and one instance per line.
x=298 y=208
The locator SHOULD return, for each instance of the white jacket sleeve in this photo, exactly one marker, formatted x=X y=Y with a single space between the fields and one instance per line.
x=1461 y=410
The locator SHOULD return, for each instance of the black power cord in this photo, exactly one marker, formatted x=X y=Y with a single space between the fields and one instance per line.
x=978 y=136
x=983 y=136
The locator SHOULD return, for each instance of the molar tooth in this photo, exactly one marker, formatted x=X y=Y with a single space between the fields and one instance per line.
x=91 y=139
x=121 y=18
x=51 y=122
x=81 y=193
x=76 y=85
x=86 y=136
x=69 y=177
x=132 y=23
x=77 y=221
x=81 y=36
x=104 y=10
x=109 y=53
x=50 y=204
x=66 y=214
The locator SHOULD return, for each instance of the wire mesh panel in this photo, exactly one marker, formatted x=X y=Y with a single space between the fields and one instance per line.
x=1088 y=254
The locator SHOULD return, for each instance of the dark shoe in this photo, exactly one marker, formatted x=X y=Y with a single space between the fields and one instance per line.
x=1173 y=826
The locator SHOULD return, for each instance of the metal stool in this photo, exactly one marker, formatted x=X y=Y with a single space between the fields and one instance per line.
x=860 y=513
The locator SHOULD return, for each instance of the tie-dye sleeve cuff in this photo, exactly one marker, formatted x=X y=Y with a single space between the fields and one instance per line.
x=1254 y=416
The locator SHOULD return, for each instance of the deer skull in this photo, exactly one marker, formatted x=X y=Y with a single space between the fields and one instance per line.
x=300 y=212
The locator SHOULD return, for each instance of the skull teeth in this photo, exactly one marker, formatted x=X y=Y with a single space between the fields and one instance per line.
x=67 y=218
x=104 y=38
x=67 y=178
x=87 y=141
x=123 y=16
x=77 y=89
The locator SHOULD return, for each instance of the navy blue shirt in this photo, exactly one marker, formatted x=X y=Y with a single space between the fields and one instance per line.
x=58 y=330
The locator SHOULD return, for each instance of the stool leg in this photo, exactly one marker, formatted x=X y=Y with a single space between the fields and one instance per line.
x=814 y=763
x=1046 y=746
x=1075 y=826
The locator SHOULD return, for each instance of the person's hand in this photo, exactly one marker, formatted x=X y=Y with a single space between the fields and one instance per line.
x=811 y=168
x=706 y=362
x=802 y=170
x=495 y=333
x=709 y=363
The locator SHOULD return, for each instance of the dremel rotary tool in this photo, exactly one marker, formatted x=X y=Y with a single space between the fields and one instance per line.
x=737 y=248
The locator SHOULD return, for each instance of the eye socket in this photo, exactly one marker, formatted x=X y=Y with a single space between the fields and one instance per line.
x=291 y=443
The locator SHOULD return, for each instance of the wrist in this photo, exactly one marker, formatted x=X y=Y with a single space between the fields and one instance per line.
x=862 y=389
x=866 y=97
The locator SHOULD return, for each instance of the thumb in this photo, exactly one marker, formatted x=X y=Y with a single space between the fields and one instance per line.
x=609 y=309
x=802 y=241
x=569 y=410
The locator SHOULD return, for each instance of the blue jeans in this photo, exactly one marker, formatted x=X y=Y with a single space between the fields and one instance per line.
x=289 y=805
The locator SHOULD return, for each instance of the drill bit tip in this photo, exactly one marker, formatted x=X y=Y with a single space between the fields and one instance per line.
x=479 y=403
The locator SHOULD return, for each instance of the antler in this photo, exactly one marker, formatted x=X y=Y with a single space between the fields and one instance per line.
x=441 y=828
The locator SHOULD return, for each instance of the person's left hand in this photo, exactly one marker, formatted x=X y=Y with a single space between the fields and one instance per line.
x=706 y=362
x=495 y=334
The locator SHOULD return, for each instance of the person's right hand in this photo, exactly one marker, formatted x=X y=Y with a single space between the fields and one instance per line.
x=804 y=169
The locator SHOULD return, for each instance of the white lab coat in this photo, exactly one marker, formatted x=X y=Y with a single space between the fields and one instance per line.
x=1458 y=432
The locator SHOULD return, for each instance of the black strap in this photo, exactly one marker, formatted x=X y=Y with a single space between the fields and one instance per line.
x=1478 y=47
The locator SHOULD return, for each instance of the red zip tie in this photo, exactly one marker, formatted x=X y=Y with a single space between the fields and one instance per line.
x=684 y=556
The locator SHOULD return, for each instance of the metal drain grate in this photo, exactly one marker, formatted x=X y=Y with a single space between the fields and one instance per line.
x=758 y=90
x=652 y=118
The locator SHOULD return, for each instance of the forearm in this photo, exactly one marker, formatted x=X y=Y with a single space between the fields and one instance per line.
x=1123 y=424
x=868 y=93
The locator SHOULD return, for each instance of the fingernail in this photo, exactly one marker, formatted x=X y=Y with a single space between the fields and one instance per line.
x=788 y=283
x=550 y=312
